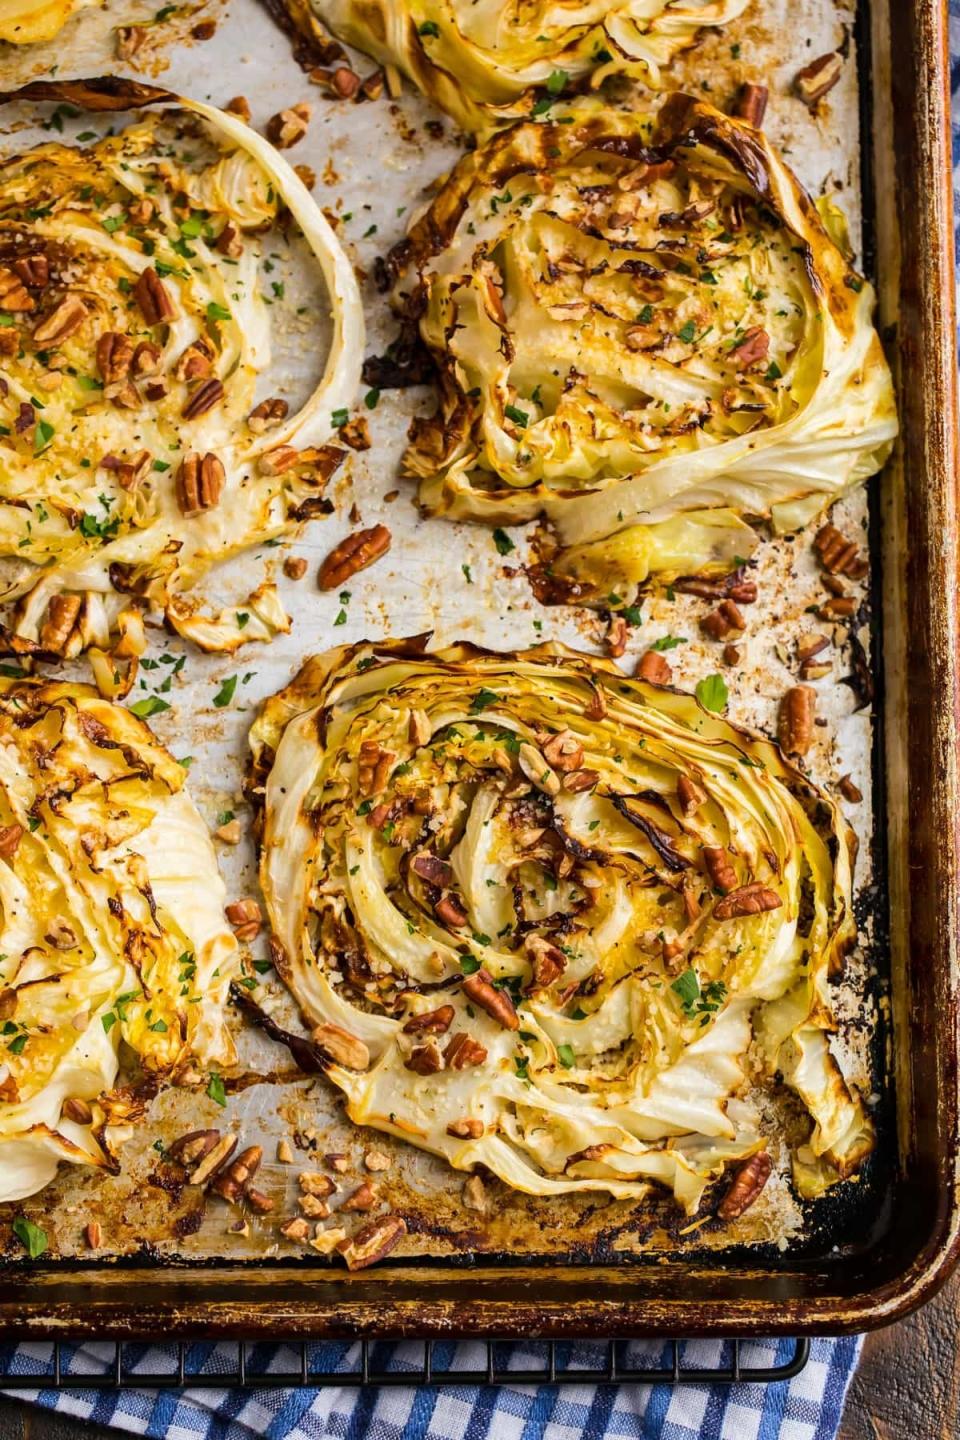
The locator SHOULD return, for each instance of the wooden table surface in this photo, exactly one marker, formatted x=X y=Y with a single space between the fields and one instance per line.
x=907 y=1386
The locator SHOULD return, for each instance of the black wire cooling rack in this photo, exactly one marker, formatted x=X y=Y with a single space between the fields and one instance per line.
x=369 y=1363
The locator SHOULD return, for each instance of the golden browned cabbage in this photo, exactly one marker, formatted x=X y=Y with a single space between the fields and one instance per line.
x=134 y=333
x=484 y=61
x=25 y=22
x=540 y=914
x=643 y=331
x=111 y=926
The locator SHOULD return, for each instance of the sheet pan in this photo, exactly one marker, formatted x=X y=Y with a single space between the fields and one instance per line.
x=630 y=1273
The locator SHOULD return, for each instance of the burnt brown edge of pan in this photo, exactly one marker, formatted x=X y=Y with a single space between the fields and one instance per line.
x=916 y=1240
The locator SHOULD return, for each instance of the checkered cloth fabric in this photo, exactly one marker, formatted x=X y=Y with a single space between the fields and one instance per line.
x=808 y=1407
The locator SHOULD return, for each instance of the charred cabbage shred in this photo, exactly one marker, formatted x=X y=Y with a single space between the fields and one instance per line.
x=487 y=63
x=113 y=927
x=643 y=332
x=447 y=830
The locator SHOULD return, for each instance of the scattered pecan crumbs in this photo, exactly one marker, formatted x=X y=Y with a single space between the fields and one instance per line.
x=354 y=553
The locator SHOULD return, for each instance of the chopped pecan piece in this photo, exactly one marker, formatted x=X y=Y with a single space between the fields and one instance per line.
x=451 y=912
x=279 y=460
x=797 y=710
x=752 y=348
x=245 y=918
x=93 y=1234
x=748 y=1181
x=267 y=413
x=418 y=728
x=62 y=322
x=213 y=1159
x=341 y=1046
x=475 y=1194
x=311 y=1182
x=731 y=655
x=547 y=961
x=748 y=900
x=810 y=645
x=463 y=1051
x=720 y=622
x=431 y=1022
x=654 y=669
x=425 y=1059
x=751 y=104
x=316 y=1209
x=722 y=874
x=142 y=211
x=363 y=1198
x=130 y=40
x=207 y=394
x=690 y=794
x=193 y=1146
x=563 y=751
x=577 y=780
x=342 y=82
x=841 y=607
x=819 y=77
x=373 y=767
x=497 y=1003
x=62 y=614
x=153 y=297
x=196 y=361
x=114 y=356
x=239 y=106
x=432 y=869
x=373 y=1242
x=354 y=553
x=288 y=127
x=295 y=1229
x=356 y=433
x=10 y=837
x=538 y=772
x=15 y=298
x=294 y=567
x=200 y=481
x=258 y=1201
x=306 y=174
x=466 y=1129
x=617 y=633
x=232 y=1181
x=376 y=1160
x=75 y=1108
x=845 y=785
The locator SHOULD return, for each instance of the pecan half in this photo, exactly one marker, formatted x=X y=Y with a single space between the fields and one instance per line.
x=373 y=767
x=577 y=780
x=207 y=394
x=200 y=481
x=497 y=1003
x=193 y=1146
x=690 y=794
x=837 y=554
x=234 y=1178
x=363 y=1198
x=373 y=1242
x=213 y=1159
x=654 y=669
x=432 y=869
x=534 y=765
x=462 y=1051
x=722 y=874
x=153 y=298
x=354 y=553
x=795 y=725
x=14 y=295
x=33 y=270
x=720 y=622
x=451 y=912
x=288 y=127
x=819 y=77
x=62 y=613
x=749 y=1180
x=311 y=1182
x=196 y=361
x=425 y=1059
x=748 y=900
x=62 y=322
x=475 y=1194
x=341 y=1046
x=431 y=1022
x=10 y=837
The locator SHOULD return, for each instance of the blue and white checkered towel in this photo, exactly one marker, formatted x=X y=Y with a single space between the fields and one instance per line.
x=808 y=1407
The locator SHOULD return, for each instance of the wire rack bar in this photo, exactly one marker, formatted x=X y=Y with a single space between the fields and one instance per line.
x=122 y=1372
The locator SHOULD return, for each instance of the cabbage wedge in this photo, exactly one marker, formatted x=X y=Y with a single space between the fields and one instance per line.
x=643 y=332
x=134 y=333
x=554 y=921
x=113 y=928
x=488 y=63
x=28 y=22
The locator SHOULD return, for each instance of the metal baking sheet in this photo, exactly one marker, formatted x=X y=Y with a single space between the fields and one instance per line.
x=374 y=164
